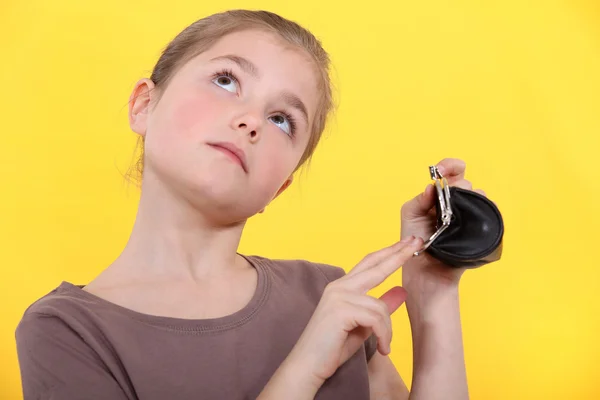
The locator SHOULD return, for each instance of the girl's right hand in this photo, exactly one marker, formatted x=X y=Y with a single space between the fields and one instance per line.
x=346 y=316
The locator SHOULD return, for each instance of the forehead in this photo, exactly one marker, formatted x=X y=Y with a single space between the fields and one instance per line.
x=261 y=46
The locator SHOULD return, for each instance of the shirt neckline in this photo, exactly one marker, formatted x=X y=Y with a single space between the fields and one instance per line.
x=208 y=325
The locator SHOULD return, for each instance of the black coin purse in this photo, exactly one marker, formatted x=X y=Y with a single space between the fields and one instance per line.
x=469 y=228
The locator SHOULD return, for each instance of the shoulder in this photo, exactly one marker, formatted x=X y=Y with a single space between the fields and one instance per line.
x=59 y=353
x=54 y=302
x=44 y=325
x=67 y=318
x=300 y=268
x=60 y=311
x=44 y=305
x=298 y=278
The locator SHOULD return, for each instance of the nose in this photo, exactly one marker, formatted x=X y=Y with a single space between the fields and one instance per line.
x=248 y=124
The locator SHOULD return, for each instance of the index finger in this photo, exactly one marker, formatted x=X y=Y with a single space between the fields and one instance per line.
x=378 y=256
x=377 y=274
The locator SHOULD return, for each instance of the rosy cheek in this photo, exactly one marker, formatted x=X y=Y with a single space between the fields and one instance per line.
x=192 y=115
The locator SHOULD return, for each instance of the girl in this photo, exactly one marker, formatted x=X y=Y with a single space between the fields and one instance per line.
x=235 y=105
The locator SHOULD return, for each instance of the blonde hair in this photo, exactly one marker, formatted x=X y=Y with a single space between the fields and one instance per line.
x=204 y=33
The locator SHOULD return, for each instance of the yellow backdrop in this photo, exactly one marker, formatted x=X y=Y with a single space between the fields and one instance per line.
x=511 y=87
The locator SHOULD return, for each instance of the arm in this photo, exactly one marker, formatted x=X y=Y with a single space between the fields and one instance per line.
x=433 y=308
x=291 y=381
x=438 y=360
x=385 y=382
x=438 y=355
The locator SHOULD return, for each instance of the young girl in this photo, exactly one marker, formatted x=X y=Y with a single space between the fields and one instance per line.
x=235 y=105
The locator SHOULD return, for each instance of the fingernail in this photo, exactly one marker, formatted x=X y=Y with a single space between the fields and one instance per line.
x=441 y=169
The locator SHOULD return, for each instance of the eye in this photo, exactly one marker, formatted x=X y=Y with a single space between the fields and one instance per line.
x=226 y=80
x=285 y=122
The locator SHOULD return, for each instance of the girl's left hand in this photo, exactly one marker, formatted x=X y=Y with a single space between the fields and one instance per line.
x=424 y=273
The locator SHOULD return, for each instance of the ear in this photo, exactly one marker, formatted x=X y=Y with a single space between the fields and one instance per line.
x=285 y=185
x=139 y=105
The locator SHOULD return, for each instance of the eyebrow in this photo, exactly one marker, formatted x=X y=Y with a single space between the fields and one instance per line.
x=294 y=101
x=248 y=67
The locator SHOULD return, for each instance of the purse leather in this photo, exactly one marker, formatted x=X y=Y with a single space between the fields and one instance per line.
x=475 y=234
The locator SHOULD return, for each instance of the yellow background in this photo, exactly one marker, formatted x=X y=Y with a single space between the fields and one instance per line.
x=511 y=87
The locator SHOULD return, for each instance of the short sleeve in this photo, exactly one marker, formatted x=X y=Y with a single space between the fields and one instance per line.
x=56 y=363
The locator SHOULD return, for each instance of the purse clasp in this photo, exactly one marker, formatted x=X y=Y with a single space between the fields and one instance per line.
x=443 y=198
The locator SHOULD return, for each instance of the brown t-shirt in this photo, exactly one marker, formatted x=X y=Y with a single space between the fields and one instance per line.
x=74 y=345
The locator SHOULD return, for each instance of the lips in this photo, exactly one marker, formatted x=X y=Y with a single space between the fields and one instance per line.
x=232 y=151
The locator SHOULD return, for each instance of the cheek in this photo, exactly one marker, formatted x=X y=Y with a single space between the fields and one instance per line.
x=182 y=119
x=277 y=160
x=192 y=116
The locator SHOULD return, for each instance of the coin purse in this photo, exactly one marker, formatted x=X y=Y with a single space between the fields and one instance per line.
x=469 y=227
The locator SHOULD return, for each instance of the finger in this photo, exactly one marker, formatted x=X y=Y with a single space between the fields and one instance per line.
x=378 y=257
x=386 y=305
x=367 y=318
x=394 y=298
x=374 y=258
x=378 y=307
x=368 y=279
x=419 y=205
x=452 y=168
x=463 y=184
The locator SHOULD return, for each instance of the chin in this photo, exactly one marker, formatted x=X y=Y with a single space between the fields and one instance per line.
x=219 y=193
x=221 y=200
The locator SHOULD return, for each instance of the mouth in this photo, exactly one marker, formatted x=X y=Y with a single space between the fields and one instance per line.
x=233 y=152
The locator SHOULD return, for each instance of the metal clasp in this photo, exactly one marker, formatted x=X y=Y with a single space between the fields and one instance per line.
x=443 y=198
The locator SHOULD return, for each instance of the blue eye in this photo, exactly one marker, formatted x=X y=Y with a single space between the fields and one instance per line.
x=285 y=123
x=226 y=80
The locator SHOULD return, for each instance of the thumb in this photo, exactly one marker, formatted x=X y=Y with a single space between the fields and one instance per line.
x=394 y=298
x=420 y=205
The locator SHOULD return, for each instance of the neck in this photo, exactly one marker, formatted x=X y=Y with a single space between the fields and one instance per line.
x=172 y=239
